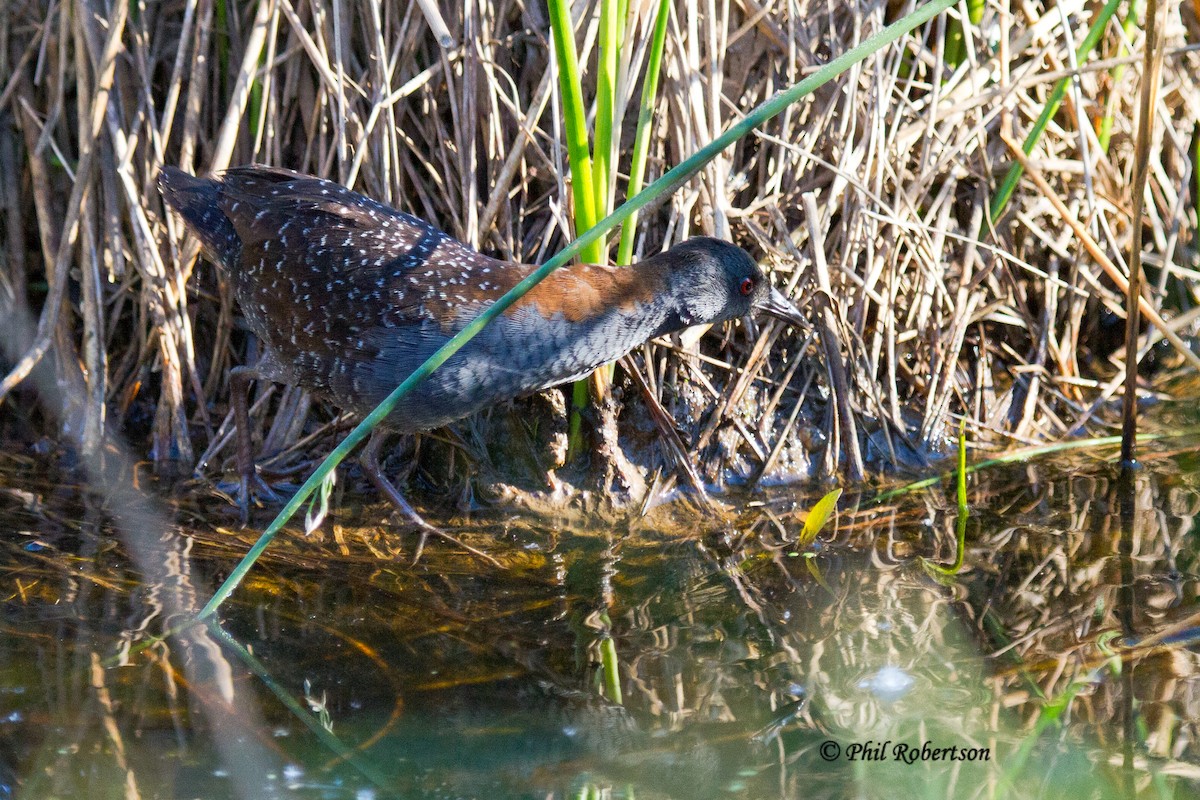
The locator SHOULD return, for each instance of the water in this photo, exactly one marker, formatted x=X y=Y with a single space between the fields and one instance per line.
x=1061 y=660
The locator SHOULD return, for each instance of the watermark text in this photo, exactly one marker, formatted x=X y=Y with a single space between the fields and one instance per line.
x=904 y=752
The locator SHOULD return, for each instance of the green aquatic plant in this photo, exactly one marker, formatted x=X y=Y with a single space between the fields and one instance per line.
x=593 y=169
x=955 y=50
x=1029 y=453
x=817 y=517
x=610 y=668
x=641 y=139
x=964 y=513
x=1128 y=24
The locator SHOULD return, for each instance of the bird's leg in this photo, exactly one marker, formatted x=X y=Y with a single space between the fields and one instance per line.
x=370 y=463
x=369 y=458
x=239 y=385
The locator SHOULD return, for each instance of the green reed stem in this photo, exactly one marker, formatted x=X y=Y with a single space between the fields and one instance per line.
x=579 y=401
x=641 y=140
x=1013 y=176
x=975 y=9
x=587 y=191
x=669 y=182
x=1128 y=23
x=575 y=122
x=1195 y=154
x=611 y=667
x=955 y=47
x=606 y=102
x=955 y=51
x=963 y=510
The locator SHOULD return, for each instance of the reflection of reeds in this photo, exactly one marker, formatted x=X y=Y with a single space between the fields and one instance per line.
x=903 y=161
x=720 y=637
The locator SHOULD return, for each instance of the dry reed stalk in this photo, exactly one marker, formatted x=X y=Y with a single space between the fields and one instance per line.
x=1103 y=261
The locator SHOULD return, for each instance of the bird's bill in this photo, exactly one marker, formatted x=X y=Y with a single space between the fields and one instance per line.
x=780 y=307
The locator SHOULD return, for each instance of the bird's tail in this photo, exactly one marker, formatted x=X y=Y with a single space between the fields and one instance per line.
x=198 y=201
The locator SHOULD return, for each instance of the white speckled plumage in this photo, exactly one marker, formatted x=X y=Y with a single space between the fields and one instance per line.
x=358 y=295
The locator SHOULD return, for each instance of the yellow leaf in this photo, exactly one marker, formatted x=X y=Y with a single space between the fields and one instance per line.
x=818 y=516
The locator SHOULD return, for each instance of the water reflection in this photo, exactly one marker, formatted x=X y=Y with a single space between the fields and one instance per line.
x=746 y=667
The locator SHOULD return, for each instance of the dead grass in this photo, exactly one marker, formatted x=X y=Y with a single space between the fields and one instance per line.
x=869 y=202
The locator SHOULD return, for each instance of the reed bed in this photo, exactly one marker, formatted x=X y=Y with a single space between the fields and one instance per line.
x=947 y=283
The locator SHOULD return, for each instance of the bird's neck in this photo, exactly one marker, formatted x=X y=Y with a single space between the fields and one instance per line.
x=666 y=314
x=651 y=280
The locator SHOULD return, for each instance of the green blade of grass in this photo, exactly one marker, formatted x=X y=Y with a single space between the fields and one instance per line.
x=956 y=40
x=1195 y=154
x=1013 y=176
x=611 y=668
x=963 y=511
x=589 y=179
x=1128 y=23
x=641 y=139
x=575 y=123
x=955 y=48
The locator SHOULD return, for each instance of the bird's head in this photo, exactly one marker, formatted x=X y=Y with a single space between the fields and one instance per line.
x=713 y=281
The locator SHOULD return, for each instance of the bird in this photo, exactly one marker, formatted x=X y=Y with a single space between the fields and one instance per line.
x=348 y=296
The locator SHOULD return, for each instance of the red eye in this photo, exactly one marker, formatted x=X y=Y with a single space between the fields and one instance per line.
x=747 y=286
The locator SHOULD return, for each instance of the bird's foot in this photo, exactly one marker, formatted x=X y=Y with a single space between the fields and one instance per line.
x=370 y=464
x=249 y=490
x=397 y=500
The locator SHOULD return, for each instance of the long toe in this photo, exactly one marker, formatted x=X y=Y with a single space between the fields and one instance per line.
x=247 y=492
x=426 y=529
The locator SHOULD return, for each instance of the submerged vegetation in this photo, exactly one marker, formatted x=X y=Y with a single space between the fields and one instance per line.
x=947 y=283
